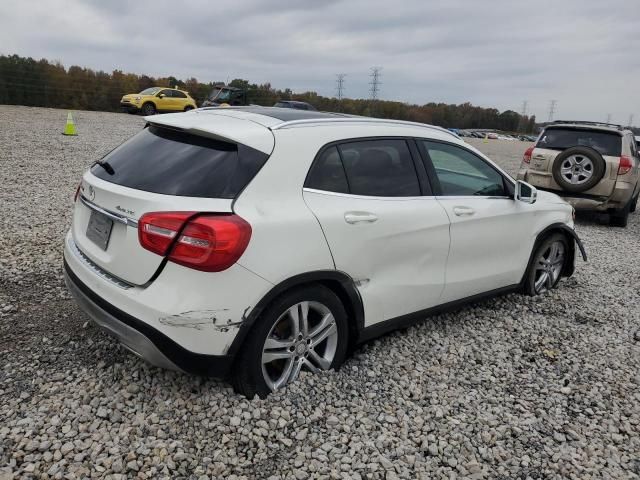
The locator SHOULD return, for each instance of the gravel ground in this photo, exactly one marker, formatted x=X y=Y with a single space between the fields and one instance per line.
x=511 y=388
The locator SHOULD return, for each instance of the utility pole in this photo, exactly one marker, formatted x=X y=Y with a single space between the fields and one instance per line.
x=552 y=109
x=630 y=124
x=340 y=85
x=376 y=74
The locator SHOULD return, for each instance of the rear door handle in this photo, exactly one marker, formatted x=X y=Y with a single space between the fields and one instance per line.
x=463 y=211
x=359 y=217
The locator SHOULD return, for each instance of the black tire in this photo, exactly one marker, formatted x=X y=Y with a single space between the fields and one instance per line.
x=148 y=109
x=596 y=170
x=247 y=375
x=620 y=218
x=187 y=108
x=634 y=204
x=532 y=275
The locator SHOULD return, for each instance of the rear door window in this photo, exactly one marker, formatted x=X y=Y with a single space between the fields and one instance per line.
x=327 y=173
x=171 y=162
x=380 y=168
x=562 y=138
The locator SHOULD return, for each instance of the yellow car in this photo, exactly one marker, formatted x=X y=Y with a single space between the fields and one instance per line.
x=158 y=99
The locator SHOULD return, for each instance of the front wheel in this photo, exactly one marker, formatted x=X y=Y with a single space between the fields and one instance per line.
x=546 y=268
x=304 y=328
x=148 y=109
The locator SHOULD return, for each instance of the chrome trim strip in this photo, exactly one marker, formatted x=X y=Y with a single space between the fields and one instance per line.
x=91 y=265
x=130 y=222
x=367 y=197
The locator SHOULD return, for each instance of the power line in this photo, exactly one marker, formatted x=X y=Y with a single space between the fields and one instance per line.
x=340 y=85
x=552 y=109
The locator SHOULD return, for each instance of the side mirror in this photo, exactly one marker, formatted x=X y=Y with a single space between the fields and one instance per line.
x=162 y=95
x=526 y=193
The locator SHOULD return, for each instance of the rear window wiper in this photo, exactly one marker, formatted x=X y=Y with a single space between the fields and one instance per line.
x=106 y=165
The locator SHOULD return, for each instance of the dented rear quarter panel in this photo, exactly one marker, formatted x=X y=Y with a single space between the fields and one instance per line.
x=201 y=311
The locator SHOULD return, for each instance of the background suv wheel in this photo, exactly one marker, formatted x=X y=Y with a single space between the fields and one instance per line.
x=578 y=169
x=305 y=328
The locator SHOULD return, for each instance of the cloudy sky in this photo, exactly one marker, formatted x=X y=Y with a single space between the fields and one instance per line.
x=583 y=53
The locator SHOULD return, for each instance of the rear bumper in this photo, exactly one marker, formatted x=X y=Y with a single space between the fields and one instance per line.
x=142 y=339
x=615 y=200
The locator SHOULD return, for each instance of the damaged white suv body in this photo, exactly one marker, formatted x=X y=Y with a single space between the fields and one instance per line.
x=250 y=243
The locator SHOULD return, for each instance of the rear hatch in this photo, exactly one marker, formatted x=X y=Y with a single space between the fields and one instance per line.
x=158 y=170
x=555 y=140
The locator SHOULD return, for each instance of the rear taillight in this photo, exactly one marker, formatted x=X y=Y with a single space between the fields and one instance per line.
x=157 y=230
x=625 y=165
x=527 y=155
x=207 y=242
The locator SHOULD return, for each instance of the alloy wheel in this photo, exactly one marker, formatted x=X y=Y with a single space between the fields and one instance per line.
x=548 y=266
x=577 y=169
x=305 y=335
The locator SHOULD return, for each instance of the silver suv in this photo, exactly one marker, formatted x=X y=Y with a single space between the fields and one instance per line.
x=594 y=166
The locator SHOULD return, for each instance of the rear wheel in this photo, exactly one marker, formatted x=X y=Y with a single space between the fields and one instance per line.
x=620 y=218
x=634 y=204
x=546 y=268
x=148 y=109
x=305 y=328
x=187 y=108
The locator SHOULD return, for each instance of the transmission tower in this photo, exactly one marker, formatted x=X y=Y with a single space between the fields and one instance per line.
x=552 y=109
x=630 y=120
x=376 y=74
x=608 y=118
x=523 y=113
x=340 y=85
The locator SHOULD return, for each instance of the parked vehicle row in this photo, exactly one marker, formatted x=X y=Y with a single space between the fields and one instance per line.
x=162 y=100
x=494 y=135
x=250 y=243
x=594 y=166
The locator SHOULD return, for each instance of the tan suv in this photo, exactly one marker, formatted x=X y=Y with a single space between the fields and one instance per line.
x=594 y=166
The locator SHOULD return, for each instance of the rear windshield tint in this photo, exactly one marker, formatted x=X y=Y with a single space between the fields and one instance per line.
x=170 y=162
x=562 y=138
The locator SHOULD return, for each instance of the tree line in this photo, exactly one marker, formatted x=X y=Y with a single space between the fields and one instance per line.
x=41 y=83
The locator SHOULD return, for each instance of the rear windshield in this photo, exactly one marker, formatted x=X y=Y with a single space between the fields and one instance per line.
x=170 y=162
x=562 y=138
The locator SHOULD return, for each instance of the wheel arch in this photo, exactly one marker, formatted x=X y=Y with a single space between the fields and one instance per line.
x=572 y=241
x=338 y=282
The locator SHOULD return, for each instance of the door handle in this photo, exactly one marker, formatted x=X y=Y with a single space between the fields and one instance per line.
x=463 y=211
x=359 y=217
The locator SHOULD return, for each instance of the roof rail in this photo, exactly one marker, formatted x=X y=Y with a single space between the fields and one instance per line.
x=578 y=122
x=324 y=121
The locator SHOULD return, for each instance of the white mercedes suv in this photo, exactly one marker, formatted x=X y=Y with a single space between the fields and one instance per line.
x=248 y=243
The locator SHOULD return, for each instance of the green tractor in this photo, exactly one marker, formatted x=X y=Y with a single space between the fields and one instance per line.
x=226 y=96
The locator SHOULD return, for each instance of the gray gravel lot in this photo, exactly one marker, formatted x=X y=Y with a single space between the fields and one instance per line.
x=511 y=388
